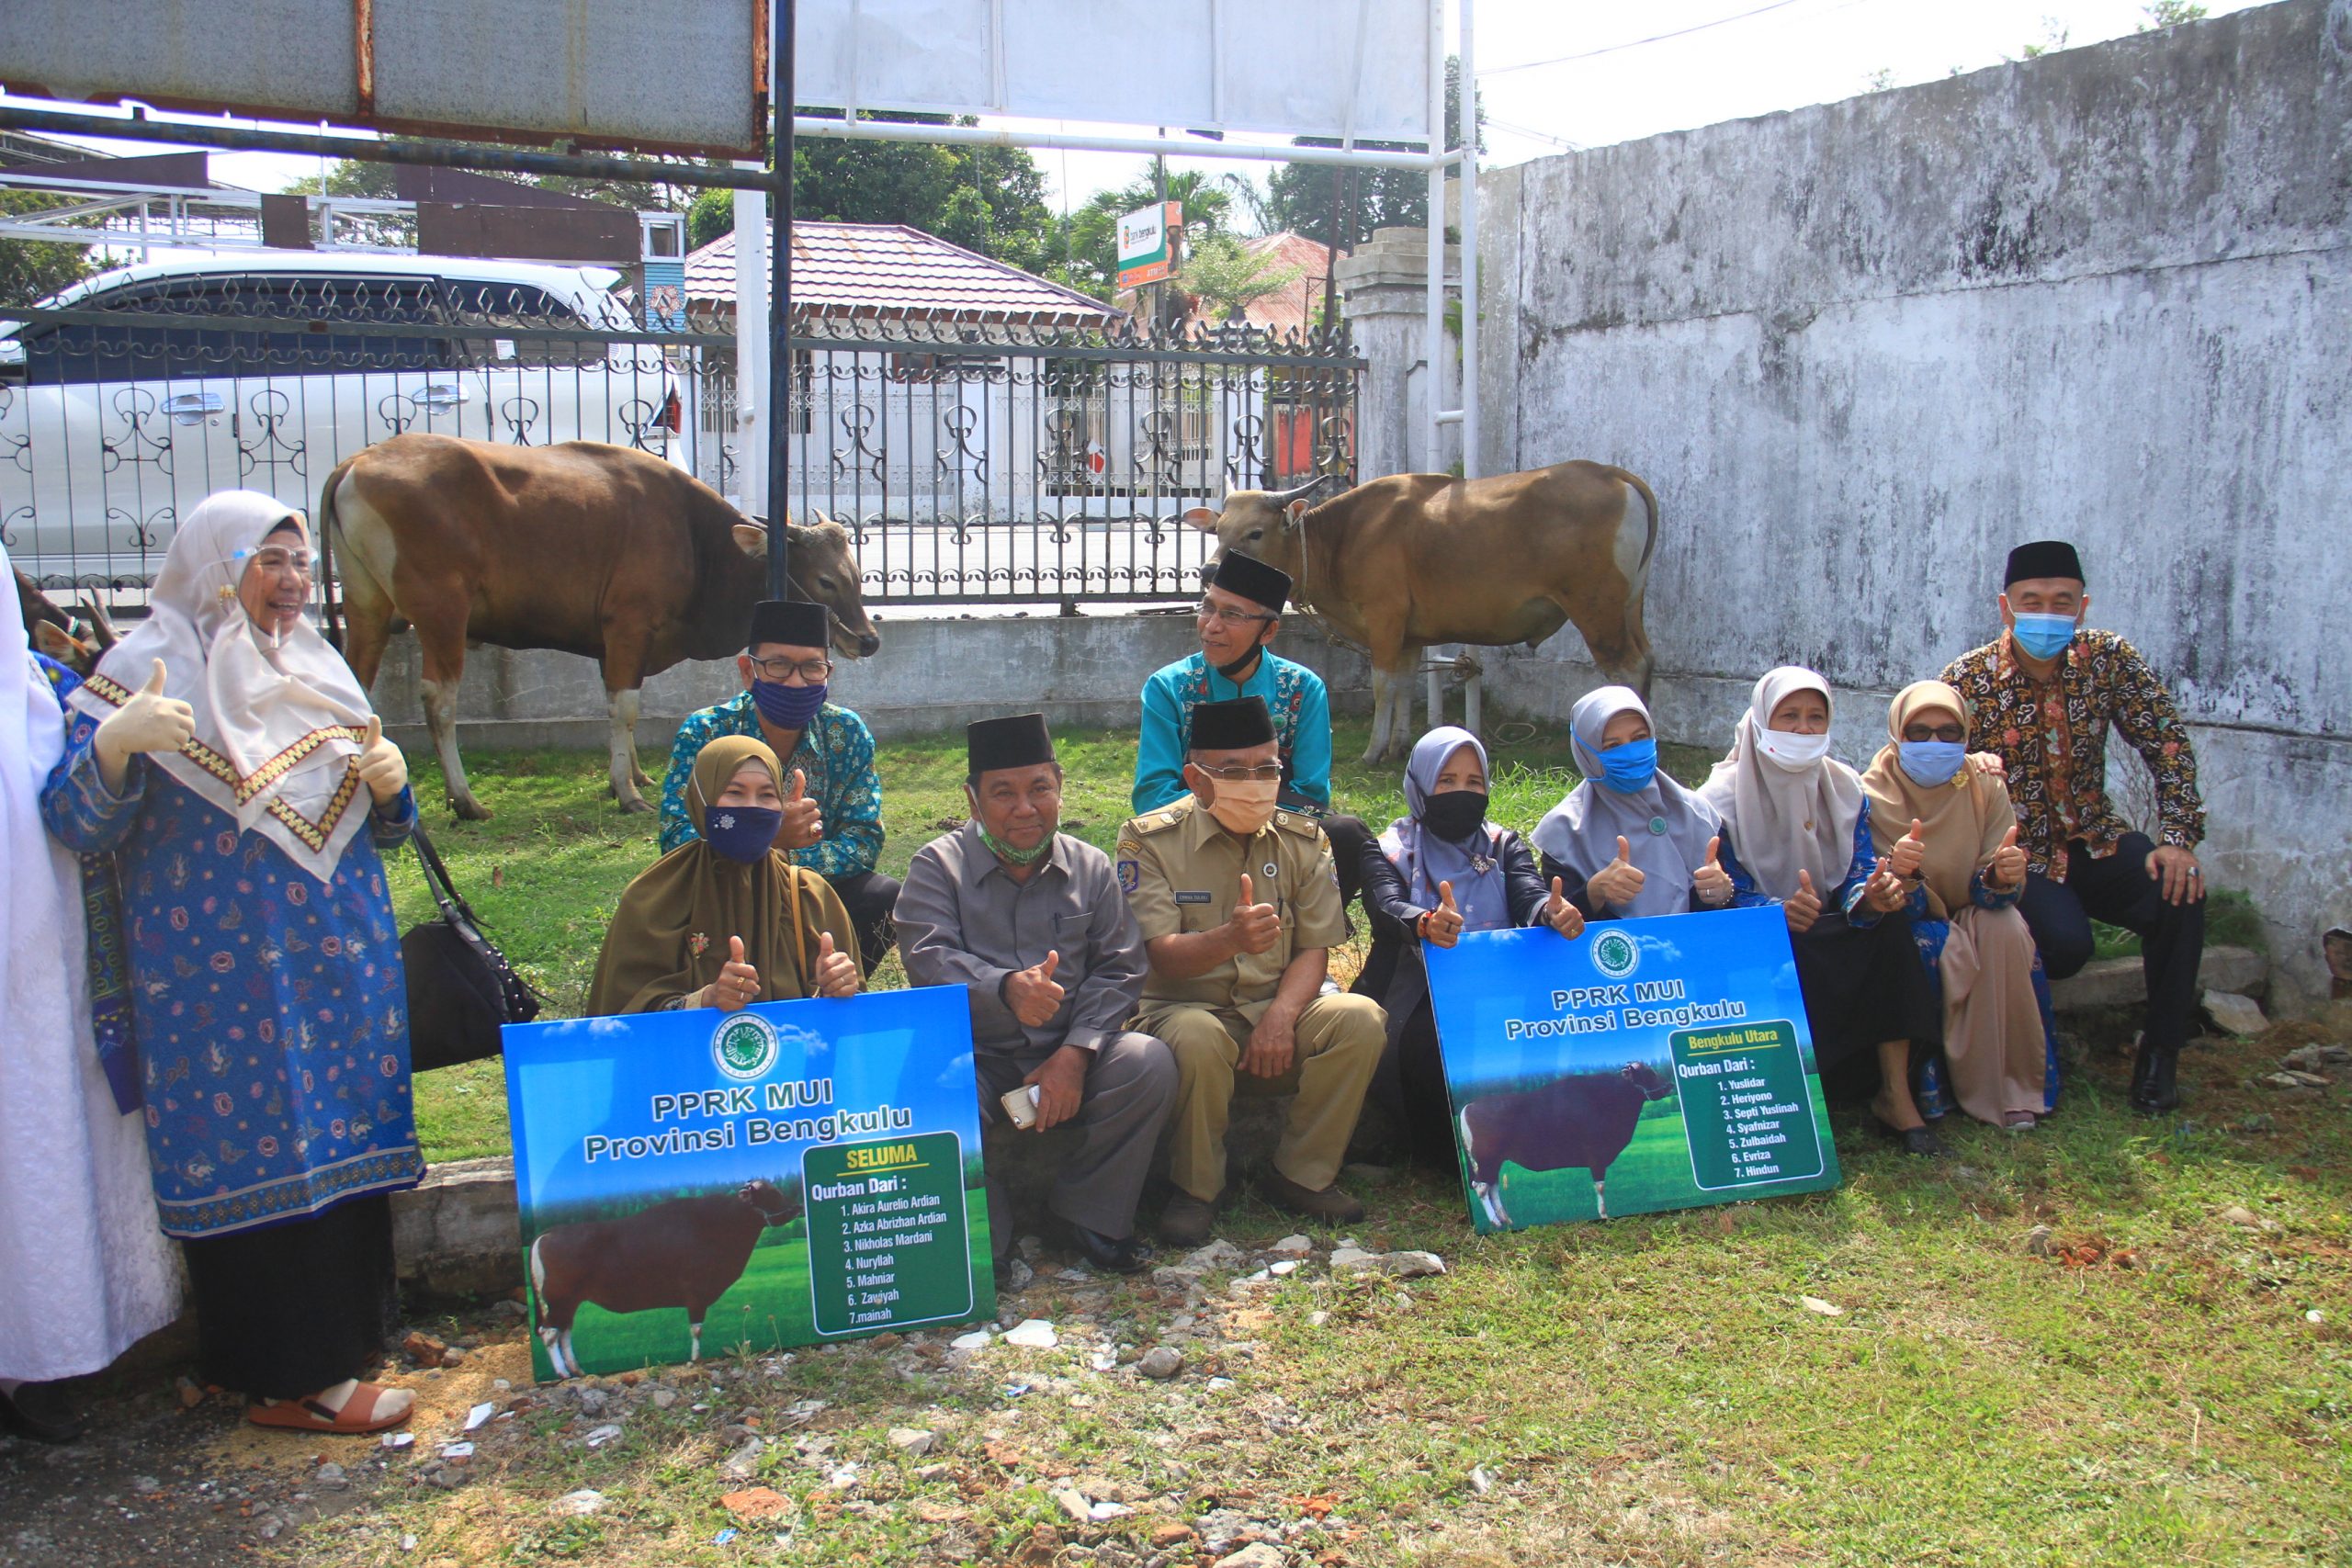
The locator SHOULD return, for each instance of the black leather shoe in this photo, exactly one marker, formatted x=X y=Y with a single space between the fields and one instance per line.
x=33 y=1411
x=1921 y=1140
x=1128 y=1254
x=1330 y=1204
x=1186 y=1221
x=2156 y=1087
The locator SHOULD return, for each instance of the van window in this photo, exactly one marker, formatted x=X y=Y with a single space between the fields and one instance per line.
x=488 y=307
x=147 y=347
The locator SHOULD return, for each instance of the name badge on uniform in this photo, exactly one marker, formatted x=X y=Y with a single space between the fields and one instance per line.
x=1201 y=897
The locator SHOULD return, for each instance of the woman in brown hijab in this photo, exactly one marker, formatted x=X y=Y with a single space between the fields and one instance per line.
x=1969 y=881
x=725 y=921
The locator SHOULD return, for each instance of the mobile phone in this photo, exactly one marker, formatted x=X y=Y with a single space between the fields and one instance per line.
x=1021 y=1104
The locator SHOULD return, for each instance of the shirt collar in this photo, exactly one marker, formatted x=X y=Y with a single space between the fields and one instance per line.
x=2012 y=669
x=980 y=861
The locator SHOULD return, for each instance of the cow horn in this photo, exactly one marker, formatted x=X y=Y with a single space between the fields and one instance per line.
x=1297 y=492
x=99 y=625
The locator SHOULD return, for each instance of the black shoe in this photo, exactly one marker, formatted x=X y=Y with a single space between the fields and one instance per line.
x=1330 y=1204
x=33 y=1411
x=1186 y=1221
x=2156 y=1087
x=1921 y=1140
x=1126 y=1255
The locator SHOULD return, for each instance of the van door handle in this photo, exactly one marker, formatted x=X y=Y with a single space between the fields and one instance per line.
x=441 y=395
x=190 y=408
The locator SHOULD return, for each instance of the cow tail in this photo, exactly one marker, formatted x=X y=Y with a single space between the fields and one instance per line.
x=1649 y=545
x=1469 y=1140
x=330 y=608
x=539 y=1274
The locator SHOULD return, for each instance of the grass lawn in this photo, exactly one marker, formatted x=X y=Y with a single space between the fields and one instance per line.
x=2052 y=1349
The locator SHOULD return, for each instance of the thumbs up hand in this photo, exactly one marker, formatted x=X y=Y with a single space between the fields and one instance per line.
x=804 y=821
x=1804 y=909
x=1885 y=892
x=836 y=972
x=150 y=721
x=1254 y=927
x=1619 y=883
x=1711 y=882
x=1561 y=915
x=1441 y=926
x=2006 y=869
x=738 y=985
x=1909 y=850
x=382 y=767
x=1032 y=993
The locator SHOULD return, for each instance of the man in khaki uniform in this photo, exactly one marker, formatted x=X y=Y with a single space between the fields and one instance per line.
x=1238 y=906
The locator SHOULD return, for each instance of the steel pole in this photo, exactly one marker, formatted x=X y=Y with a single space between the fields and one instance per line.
x=780 y=410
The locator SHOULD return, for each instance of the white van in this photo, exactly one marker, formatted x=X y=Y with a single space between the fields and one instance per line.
x=157 y=385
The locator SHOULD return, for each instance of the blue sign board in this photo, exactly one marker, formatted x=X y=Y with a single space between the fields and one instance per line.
x=1648 y=1064
x=696 y=1182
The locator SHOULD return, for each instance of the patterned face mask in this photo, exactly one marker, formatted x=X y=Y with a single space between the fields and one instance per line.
x=742 y=833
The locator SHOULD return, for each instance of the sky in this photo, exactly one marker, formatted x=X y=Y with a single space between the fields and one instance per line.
x=1555 y=75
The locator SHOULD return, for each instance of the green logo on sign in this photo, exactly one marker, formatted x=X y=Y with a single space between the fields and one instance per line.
x=744 y=1046
x=1616 y=954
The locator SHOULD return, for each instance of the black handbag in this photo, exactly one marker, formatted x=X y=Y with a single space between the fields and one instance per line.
x=460 y=987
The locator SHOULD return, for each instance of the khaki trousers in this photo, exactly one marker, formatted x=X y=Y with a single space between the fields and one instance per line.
x=1339 y=1040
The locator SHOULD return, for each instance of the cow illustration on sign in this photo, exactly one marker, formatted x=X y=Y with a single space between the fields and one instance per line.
x=1585 y=1119
x=684 y=1253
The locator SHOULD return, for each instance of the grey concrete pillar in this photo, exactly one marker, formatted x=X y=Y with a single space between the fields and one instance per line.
x=1385 y=284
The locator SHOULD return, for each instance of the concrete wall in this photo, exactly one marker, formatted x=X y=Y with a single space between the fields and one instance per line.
x=1861 y=349
x=932 y=674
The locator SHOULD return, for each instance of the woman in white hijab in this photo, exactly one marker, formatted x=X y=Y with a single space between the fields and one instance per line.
x=83 y=1271
x=224 y=755
x=1797 y=830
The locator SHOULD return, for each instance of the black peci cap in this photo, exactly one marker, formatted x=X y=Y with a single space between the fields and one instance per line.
x=1021 y=740
x=1235 y=725
x=791 y=623
x=2043 y=558
x=1253 y=580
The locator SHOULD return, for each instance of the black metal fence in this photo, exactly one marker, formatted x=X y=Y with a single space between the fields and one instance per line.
x=971 y=464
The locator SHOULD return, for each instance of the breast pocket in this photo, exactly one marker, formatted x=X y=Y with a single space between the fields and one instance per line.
x=1069 y=936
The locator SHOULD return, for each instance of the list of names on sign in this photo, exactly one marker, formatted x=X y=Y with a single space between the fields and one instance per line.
x=1746 y=1105
x=887 y=1243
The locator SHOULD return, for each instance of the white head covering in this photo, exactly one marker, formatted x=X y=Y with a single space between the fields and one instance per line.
x=1785 y=816
x=1426 y=860
x=277 y=727
x=1666 y=825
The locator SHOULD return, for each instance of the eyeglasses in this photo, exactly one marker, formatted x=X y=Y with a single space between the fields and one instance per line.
x=811 y=670
x=273 y=558
x=1264 y=773
x=1210 y=610
x=1949 y=733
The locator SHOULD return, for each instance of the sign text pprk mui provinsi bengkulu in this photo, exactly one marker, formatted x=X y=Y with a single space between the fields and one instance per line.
x=1639 y=1004
x=746 y=1115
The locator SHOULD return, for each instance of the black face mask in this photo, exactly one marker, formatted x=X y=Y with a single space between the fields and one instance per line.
x=1455 y=815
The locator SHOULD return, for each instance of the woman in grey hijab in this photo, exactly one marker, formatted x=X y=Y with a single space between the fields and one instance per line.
x=1629 y=840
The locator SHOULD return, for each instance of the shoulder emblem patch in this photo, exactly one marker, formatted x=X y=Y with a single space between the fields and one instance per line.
x=1130 y=874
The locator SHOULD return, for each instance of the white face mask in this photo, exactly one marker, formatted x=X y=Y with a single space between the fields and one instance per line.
x=1792 y=752
x=1244 y=806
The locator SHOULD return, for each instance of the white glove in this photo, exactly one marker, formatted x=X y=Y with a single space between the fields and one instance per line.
x=150 y=721
x=382 y=767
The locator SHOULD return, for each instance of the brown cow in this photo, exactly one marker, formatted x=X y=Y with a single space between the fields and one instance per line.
x=1413 y=559
x=591 y=549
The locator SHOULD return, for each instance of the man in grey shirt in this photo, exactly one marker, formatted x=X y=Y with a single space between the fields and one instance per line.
x=1032 y=923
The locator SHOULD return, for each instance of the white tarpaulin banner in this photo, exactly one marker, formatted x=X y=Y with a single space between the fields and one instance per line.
x=1338 y=68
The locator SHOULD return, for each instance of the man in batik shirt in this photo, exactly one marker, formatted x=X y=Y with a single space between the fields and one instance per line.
x=2042 y=696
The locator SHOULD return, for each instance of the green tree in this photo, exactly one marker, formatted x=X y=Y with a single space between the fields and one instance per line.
x=31 y=270
x=2170 y=14
x=1091 y=234
x=1227 y=279
x=1301 y=195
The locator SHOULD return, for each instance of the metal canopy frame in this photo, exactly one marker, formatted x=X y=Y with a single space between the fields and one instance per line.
x=775 y=180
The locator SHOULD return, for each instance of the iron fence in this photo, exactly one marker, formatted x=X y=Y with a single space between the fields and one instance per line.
x=1004 y=464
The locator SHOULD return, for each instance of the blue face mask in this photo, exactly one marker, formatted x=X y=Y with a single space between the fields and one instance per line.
x=1628 y=768
x=1931 y=762
x=741 y=833
x=2044 y=637
x=787 y=708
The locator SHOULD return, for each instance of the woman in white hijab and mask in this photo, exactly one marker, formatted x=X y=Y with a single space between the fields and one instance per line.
x=224 y=755
x=1801 y=828
x=83 y=1271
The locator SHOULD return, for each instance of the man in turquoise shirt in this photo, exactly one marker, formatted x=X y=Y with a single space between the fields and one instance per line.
x=1240 y=611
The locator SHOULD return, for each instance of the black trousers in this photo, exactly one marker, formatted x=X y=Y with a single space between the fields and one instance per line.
x=1348 y=836
x=869 y=896
x=1410 y=1085
x=2118 y=889
x=293 y=1308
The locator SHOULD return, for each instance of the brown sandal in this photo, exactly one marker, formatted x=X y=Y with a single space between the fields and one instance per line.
x=358 y=1416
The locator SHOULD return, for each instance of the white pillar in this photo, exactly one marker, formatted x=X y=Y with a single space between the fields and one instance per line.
x=1469 y=240
x=751 y=339
x=1433 y=306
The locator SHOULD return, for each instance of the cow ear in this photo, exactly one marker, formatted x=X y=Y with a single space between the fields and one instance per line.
x=751 y=538
x=1201 y=518
x=1294 y=511
x=51 y=638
